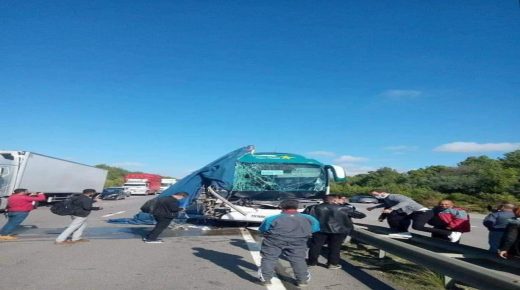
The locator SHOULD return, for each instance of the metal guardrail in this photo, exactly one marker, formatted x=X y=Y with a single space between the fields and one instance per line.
x=448 y=248
x=472 y=275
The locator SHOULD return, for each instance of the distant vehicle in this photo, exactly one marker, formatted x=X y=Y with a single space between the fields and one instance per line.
x=363 y=199
x=166 y=182
x=56 y=178
x=142 y=183
x=113 y=193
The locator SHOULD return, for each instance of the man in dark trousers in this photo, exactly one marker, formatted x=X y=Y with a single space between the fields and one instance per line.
x=335 y=225
x=496 y=222
x=400 y=211
x=286 y=233
x=164 y=211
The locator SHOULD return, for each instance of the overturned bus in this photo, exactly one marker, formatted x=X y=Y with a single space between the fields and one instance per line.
x=248 y=186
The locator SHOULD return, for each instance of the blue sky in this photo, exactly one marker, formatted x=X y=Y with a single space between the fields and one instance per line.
x=168 y=86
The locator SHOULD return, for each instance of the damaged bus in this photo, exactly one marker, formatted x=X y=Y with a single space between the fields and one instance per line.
x=247 y=186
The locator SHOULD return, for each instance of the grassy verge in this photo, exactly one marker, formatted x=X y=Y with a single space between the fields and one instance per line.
x=398 y=272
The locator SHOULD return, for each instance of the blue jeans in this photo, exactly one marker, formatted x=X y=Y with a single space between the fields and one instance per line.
x=14 y=220
x=494 y=239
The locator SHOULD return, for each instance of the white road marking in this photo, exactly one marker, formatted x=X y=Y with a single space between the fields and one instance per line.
x=254 y=249
x=111 y=214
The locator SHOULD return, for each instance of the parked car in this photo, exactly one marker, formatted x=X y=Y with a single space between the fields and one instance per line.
x=113 y=193
x=363 y=199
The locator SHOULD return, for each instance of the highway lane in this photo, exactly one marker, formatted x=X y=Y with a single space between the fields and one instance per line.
x=116 y=258
x=476 y=238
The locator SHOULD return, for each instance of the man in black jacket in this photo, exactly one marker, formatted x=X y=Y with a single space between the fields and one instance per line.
x=82 y=205
x=164 y=211
x=335 y=226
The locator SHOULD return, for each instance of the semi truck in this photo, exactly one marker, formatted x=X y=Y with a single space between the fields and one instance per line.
x=56 y=178
x=142 y=183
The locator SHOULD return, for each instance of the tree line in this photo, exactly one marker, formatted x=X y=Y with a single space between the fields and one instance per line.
x=116 y=175
x=474 y=183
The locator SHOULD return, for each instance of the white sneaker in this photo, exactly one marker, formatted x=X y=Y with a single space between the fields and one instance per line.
x=158 y=241
x=455 y=236
x=403 y=235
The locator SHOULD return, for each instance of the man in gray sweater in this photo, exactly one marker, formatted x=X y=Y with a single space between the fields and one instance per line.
x=287 y=233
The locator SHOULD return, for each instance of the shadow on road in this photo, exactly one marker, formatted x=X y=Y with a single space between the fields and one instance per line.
x=232 y=263
x=364 y=277
x=239 y=243
x=358 y=274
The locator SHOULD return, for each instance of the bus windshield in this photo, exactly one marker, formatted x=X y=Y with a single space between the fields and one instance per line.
x=275 y=179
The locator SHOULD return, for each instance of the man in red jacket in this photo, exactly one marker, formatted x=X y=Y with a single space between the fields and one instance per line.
x=19 y=204
x=451 y=218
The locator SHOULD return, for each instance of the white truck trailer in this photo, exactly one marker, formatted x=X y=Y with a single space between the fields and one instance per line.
x=137 y=186
x=166 y=182
x=55 y=177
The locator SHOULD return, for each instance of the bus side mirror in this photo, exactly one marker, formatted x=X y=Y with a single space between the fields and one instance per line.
x=338 y=172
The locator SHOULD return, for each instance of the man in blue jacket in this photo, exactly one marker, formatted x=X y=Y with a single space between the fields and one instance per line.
x=286 y=233
x=496 y=222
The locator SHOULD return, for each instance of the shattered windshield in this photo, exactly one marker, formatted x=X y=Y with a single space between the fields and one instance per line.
x=272 y=180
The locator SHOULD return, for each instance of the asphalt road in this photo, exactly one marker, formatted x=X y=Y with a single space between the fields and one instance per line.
x=116 y=258
x=477 y=237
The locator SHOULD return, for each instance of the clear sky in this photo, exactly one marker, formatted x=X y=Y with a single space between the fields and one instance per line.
x=168 y=86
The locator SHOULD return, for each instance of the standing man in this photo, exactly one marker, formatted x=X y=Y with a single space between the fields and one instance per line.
x=164 y=211
x=335 y=225
x=82 y=205
x=286 y=233
x=496 y=222
x=19 y=204
x=510 y=244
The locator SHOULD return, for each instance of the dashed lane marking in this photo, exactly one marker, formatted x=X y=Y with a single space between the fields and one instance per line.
x=111 y=214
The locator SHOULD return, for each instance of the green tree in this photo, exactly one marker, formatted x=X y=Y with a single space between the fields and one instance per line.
x=491 y=176
x=380 y=178
x=424 y=177
x=115 y=176
x=511 y=160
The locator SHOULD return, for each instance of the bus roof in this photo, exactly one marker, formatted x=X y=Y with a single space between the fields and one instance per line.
x=271 y=157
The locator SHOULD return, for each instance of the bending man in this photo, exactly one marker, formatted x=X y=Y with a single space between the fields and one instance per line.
x=402 y=211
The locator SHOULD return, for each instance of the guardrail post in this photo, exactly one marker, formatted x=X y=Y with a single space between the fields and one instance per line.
x=382 y=254
x=448 y=282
